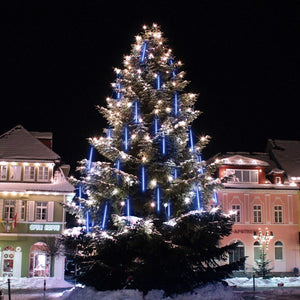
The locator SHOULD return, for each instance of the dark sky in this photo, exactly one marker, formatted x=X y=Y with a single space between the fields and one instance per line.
x=241 y=56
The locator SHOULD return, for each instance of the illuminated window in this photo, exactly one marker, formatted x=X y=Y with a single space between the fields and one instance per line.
x=257 y=250
x=3 y=172
x=43 y=174
x=237 y=216
x=15 y=173
x=9 y=209
x=39 y=260
x=257 y=212
x=278 y=214
x=278 y=250
x=29 y=173
x=41 y=211
x=239 y=175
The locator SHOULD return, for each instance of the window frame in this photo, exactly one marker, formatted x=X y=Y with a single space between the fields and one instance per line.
x=257 y=214
x=2 y=167
x=9 y=214
x=235 y=179
x=236 y=217
x=41 y=174
x=27 y=175
x=278 y=246
x=278 y=214
x=11 y=172
x=41 y=211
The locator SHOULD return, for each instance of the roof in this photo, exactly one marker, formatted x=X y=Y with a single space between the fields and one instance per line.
x=18 y=143
x=245 y=159
x=287 y=155
x=60 y=185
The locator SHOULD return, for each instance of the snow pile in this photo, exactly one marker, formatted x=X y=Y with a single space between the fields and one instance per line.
x=259 y=282
x=210 y=291
x=34 y=283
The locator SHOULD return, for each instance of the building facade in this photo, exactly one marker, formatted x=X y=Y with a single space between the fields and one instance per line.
x=260 y=197
x=32 y=185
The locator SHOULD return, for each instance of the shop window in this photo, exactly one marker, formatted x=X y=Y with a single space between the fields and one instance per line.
x=257 y=250
x=9 y=209
x=237 y=254
x=41 y=211
x=39 y=260
x=8 y=261
x=278 y=250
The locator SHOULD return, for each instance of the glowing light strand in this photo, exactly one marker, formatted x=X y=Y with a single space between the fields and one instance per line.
x=90 y=159
x=143 y=178
x=176 y=103
x=128 y=207
x=158 y=199
x=191 y=140
x=104 y=217
x=136 y=112
x=163 y=145
x=143 y=53
x=198 y=198
x=126 y=138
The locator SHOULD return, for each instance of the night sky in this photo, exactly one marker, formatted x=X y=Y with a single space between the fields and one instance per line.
x=241 y=56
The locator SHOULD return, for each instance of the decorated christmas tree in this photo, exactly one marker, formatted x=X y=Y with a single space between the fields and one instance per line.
x=148 y=213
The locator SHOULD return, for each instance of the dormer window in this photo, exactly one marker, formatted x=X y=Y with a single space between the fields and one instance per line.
x=43 y=173
x=15 y=173
x=242 y=176
x=3 y=172
x=29 y=173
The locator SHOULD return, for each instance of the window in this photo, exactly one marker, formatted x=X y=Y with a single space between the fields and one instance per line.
x=29 y=173
x=41 y=211
x=22 y=209
x=237 y=254
x=278 y=250
x=43 y=174
x=15 y=173
x=239 y=175
x=278 y=214
x=3 y=172
x=257 y=213
x=237 y=216
x=278 y=180
x=9 y=209
x=257 y=250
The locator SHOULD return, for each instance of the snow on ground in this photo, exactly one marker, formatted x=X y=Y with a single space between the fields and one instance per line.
x=211 y=291
x=34 y=283
x=270 y=290
x=259 y=282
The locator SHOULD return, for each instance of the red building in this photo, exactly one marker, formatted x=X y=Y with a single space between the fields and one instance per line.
x=261 y=196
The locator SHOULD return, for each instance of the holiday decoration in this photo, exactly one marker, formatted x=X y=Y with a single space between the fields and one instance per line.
x=152 y=202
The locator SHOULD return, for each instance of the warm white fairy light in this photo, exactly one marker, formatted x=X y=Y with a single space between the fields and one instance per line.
x=153 y=183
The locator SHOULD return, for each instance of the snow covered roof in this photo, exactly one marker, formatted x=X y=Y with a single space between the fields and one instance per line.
x=287 y=155
x=60 y=185
x=246 y=159
x=18 y=143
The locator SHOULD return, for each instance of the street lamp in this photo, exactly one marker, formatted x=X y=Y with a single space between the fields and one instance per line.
x=263 y=239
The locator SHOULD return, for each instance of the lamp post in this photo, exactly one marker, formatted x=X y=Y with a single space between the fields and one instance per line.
x=264 y=241
x=263 y=238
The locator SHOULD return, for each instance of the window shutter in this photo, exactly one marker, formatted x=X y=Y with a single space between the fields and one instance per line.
x=1 y=209
x=30 y=213
x=18 y=209
x=50 y=211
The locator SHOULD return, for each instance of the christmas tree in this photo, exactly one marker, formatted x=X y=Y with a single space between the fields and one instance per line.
x=149 y=212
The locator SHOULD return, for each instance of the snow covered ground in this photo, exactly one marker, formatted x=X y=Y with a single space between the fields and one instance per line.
x=290 y=290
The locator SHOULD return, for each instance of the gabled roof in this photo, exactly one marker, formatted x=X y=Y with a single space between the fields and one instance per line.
x=287 y=155
x=243 y=160
x=18 y=143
